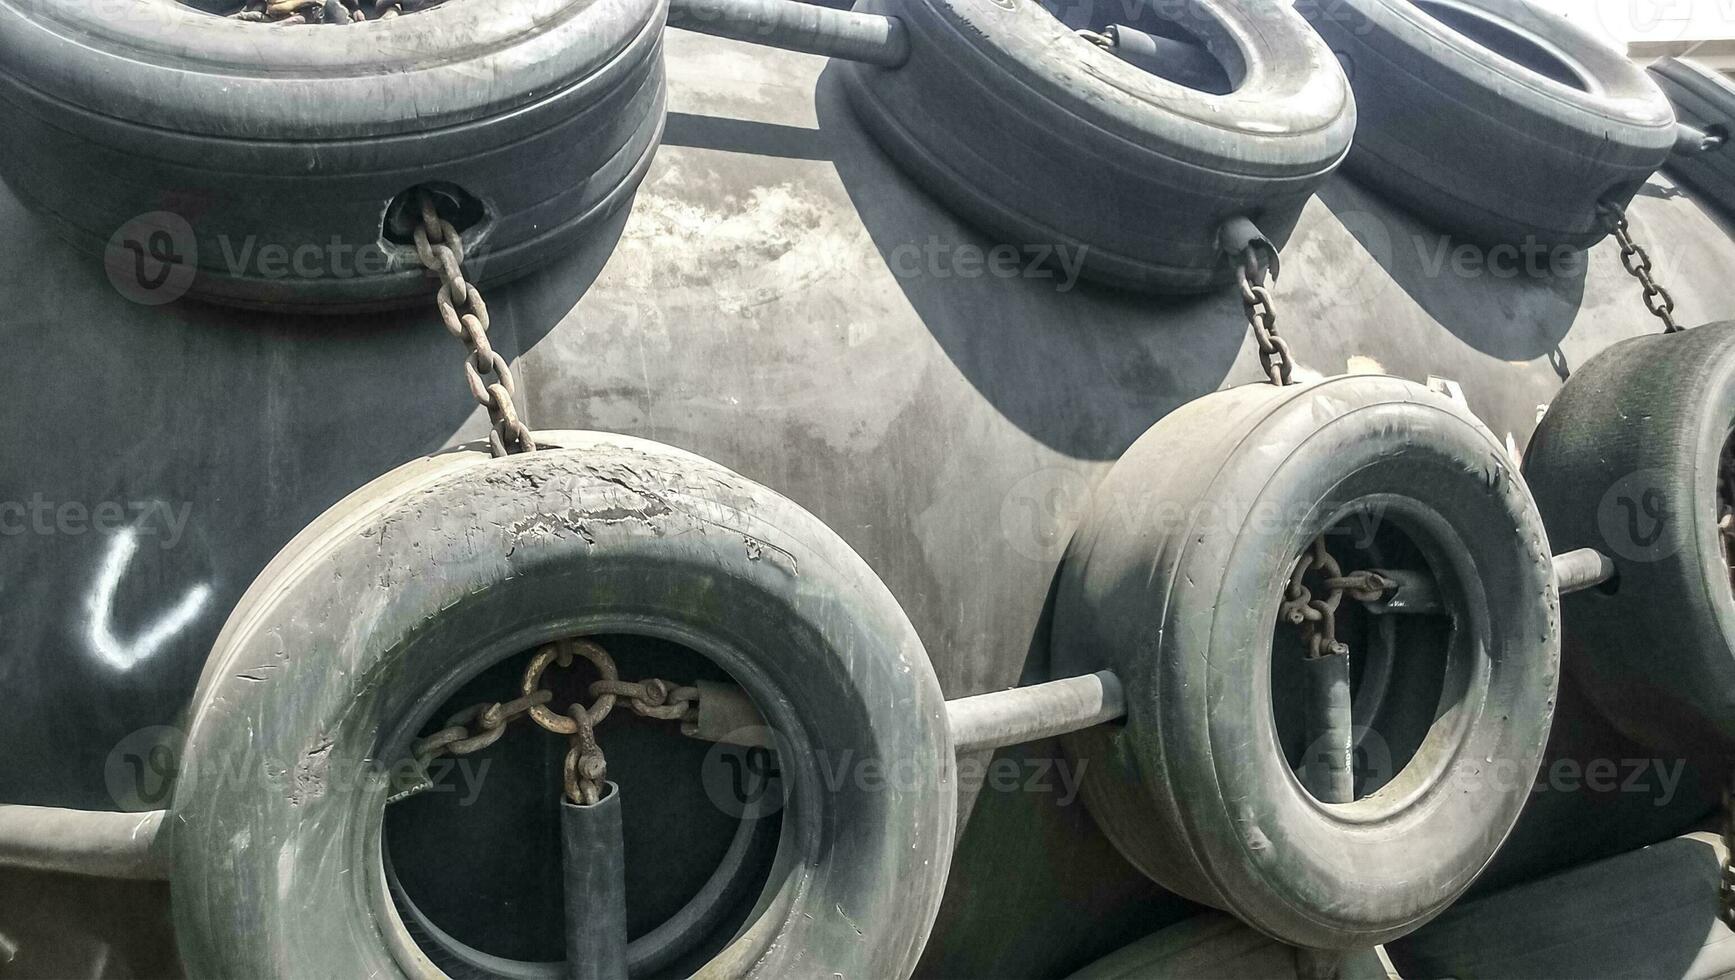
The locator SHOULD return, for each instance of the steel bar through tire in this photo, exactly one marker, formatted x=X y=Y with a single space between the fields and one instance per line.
x=875 y=39
x=84 y=842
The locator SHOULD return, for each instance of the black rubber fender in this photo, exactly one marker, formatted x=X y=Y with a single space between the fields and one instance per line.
x=1041 y=138
x=1626 y=462
x=278 y=150
x=1501 y=148
x=364 y=624
x=1175 y=580
x=1704 y=98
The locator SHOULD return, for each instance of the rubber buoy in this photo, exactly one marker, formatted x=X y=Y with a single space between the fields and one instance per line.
x=381 y=608
x=1176 y=580
x=1633 y=459
x=1049 y=141
x=1215 y=945
x=1494 y=120
x=1704 y=98
x=277 y=168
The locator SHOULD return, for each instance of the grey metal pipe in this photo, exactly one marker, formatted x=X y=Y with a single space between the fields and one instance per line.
x=1583 y=569
x=1328 y=772
x=1025 y=714
x=100 y=843
x=1417 y=594
x=872 y=38
x=1691 y=142
x=595 y=899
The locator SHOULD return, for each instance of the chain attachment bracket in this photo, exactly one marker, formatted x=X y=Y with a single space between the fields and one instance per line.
x=1637 y=262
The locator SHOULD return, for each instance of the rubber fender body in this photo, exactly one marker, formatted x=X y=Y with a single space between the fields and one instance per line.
x=1704 y=99
x=374 y=615
x=1493 y=120
x=1628 y=461
x=1040 y=137
x=259 y=165
x=1175 y=581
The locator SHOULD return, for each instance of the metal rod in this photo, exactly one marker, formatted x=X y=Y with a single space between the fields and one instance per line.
x=1691 y=141
x=1328 y=772
x=1583 y=569
x=1417 y=593
x=1025 y=714
x=100 y=843
x=1413 y=593
x=872 y=38
x=727 y=715
x=595 y=888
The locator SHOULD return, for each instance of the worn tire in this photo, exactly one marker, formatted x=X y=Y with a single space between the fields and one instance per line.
x=1194 y=788
x=1704 y=98
x=1626 y=462
x=1478 y=143
x=1046 y=141
x=277 y=150
x=369 y=619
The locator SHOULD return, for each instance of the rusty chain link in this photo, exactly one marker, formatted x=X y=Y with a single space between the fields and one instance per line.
x=441 y=251
x=1638 y=265
x=1317 y=617
x=585 y=768
x=1274 y=353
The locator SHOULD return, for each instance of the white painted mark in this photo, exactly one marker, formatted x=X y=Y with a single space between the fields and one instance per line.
x=113 y=650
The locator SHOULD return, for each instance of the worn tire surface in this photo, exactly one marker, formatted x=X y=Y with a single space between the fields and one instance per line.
x=1194 y=788
x=1626 y=462
x=365 y=623
x=1704 y=99
x=1481 y=145
x=280 y=148
x=1046 y=141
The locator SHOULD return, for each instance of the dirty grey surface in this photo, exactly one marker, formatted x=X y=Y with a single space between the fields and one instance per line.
x=780 y=299
x=1651 y=913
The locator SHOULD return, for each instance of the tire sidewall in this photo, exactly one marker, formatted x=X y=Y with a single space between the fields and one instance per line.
x=1648 y=416
x=281 y=795
x=1201 y=732
x=1483 y=146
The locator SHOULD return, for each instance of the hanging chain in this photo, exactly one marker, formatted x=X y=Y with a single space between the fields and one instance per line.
x=441 y=250
x=1317 y=617
x=1274 y=353
x=585 y=769
x=1638 y=265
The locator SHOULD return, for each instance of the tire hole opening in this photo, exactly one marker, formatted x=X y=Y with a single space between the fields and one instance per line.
x=1186 y=44
x=474 y=864
x=1399 y=683
x=451 y=202
x=1504 y=40
x=1725 y=507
